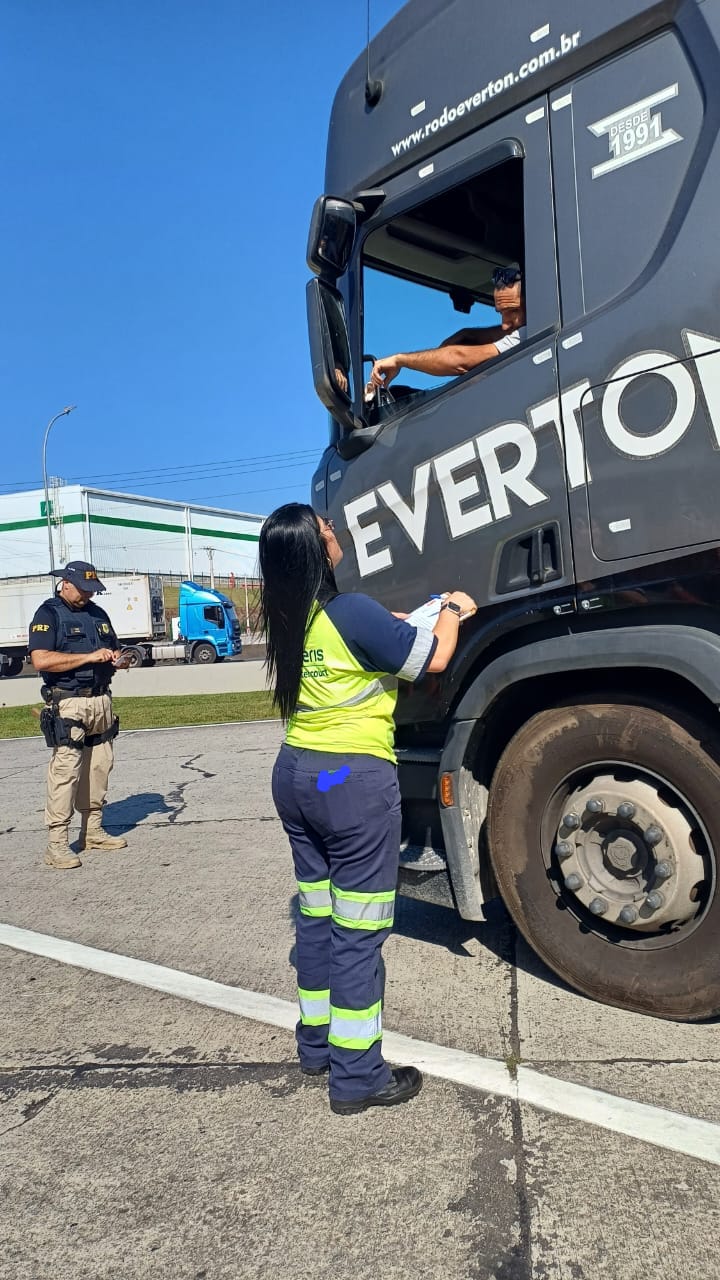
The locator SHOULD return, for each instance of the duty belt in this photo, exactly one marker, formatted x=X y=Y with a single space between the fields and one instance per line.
x=56 y=692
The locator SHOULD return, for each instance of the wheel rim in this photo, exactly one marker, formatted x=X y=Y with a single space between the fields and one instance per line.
x=628 y=855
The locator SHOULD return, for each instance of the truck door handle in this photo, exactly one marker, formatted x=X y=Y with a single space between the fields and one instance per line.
x=530 y=560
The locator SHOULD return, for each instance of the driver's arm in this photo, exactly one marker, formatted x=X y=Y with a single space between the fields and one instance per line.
x=441 y=362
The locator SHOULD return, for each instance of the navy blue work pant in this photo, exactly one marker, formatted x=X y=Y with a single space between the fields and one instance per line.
x=345 y=841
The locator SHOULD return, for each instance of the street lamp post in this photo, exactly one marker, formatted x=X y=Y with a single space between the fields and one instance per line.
x=68 y=409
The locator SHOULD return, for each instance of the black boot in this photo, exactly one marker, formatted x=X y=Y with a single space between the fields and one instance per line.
x=406 y=1082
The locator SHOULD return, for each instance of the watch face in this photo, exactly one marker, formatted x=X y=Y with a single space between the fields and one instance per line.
x=453 y=607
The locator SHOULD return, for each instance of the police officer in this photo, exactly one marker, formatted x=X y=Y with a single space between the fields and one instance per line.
x=334 y=660
x=73 y=646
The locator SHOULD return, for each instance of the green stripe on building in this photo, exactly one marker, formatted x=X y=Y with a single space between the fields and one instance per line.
x=154 y=525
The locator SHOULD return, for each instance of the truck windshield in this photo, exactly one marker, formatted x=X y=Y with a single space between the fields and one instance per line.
x=230 y=611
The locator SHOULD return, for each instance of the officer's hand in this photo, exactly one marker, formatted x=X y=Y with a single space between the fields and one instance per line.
x=101 y=655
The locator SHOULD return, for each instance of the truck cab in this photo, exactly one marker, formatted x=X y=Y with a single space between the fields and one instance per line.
x=209 y=625
x=569 y=758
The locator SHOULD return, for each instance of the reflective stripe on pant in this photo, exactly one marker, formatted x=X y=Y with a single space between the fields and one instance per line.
x=78 y=778
x=345 y=845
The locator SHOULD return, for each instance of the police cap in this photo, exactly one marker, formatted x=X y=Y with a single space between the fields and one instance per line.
x=82 y=575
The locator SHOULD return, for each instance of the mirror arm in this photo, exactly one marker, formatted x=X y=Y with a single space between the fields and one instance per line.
x=366 y=203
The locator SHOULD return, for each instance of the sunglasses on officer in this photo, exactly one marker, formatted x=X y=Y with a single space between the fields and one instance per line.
x=328 y=524
x=506 y=276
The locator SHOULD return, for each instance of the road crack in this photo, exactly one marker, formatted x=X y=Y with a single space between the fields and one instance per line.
x=30 y=1111
x=177 y=795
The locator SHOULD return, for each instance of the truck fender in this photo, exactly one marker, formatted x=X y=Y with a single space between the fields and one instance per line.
x=690 y=652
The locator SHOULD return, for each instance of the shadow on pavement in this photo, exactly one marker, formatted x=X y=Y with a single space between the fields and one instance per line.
x=122 y=815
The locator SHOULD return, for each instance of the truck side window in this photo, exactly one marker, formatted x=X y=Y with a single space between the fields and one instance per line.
x=635 y=123
x=213 y=613
x=428 y=273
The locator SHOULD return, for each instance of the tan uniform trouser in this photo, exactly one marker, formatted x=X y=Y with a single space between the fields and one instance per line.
x=78 y=776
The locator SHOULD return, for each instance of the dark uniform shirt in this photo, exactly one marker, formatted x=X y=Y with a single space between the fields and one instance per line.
x=60 y=627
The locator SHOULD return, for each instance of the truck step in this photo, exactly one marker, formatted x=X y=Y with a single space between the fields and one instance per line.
x=418 y=857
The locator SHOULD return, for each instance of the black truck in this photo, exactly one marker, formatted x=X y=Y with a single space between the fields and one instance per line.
x=569 y=758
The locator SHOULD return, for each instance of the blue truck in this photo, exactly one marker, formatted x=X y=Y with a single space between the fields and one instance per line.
x=206 y=630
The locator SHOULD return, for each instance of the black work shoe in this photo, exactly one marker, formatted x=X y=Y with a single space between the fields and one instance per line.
x=406 y=1082
x=316 y=1071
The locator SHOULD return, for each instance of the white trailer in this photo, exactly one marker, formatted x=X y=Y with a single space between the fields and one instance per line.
x=134 y=603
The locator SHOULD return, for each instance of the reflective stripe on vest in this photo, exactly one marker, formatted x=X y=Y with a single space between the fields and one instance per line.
x=314 y=897
x=355 y=1028
x=387 y=685
x=314 y=1007
x=355 y=910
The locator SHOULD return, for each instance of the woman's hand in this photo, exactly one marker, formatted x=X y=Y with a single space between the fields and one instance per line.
x=447 y=628
x=466 y=602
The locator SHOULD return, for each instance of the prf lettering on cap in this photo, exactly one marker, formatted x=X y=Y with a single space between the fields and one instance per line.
x=90 y=574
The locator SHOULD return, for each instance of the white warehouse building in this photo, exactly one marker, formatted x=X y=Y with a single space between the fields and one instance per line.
x=124 y=533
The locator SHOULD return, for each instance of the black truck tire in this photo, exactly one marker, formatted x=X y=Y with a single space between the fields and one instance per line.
x=204 y=654
x=560 y=811
x=13 y=668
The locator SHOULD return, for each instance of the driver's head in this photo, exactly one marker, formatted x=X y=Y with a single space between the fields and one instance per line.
x=509 y=296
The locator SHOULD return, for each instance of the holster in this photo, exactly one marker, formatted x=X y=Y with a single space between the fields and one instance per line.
x=56 y=728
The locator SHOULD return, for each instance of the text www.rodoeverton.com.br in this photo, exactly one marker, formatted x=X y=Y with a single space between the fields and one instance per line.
x=492 y=89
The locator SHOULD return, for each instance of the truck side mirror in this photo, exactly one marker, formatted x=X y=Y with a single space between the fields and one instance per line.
x=330 y=352
x=332 y=236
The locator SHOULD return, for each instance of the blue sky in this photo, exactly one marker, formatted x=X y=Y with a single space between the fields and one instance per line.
x=161 y=160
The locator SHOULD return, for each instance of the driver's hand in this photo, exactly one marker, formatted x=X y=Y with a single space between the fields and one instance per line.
x=341 y=380
x=385 y=370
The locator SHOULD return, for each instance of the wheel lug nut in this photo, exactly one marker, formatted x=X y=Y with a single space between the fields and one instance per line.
x=595 y=806
x=663 y=871
x=653 y=835
x=628 y=915
x=571 y=821
x=573 y=882
x=598 y=906
x=563 y=850
x=626 y=810
x=655 y=900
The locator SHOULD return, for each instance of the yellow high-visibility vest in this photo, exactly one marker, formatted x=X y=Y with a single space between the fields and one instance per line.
x=342 y=708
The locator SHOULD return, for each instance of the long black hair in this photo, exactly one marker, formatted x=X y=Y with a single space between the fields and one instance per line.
x=296 y=575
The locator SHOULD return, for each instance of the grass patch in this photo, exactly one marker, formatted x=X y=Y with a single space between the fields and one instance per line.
x=158 y=713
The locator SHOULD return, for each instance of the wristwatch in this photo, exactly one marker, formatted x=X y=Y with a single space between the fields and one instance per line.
x=452 y=606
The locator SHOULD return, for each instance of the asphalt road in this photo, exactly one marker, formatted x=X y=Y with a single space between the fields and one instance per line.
x=144 y=1134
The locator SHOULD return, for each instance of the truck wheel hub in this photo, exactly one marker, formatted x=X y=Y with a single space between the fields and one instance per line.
x=626 y=852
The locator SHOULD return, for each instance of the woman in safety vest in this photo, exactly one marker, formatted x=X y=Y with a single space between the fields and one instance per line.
x=334 y=660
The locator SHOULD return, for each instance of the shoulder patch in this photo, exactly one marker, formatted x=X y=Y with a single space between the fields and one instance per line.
x=40 y=626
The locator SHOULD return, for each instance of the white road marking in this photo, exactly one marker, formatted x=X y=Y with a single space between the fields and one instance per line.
x=654 y=1125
